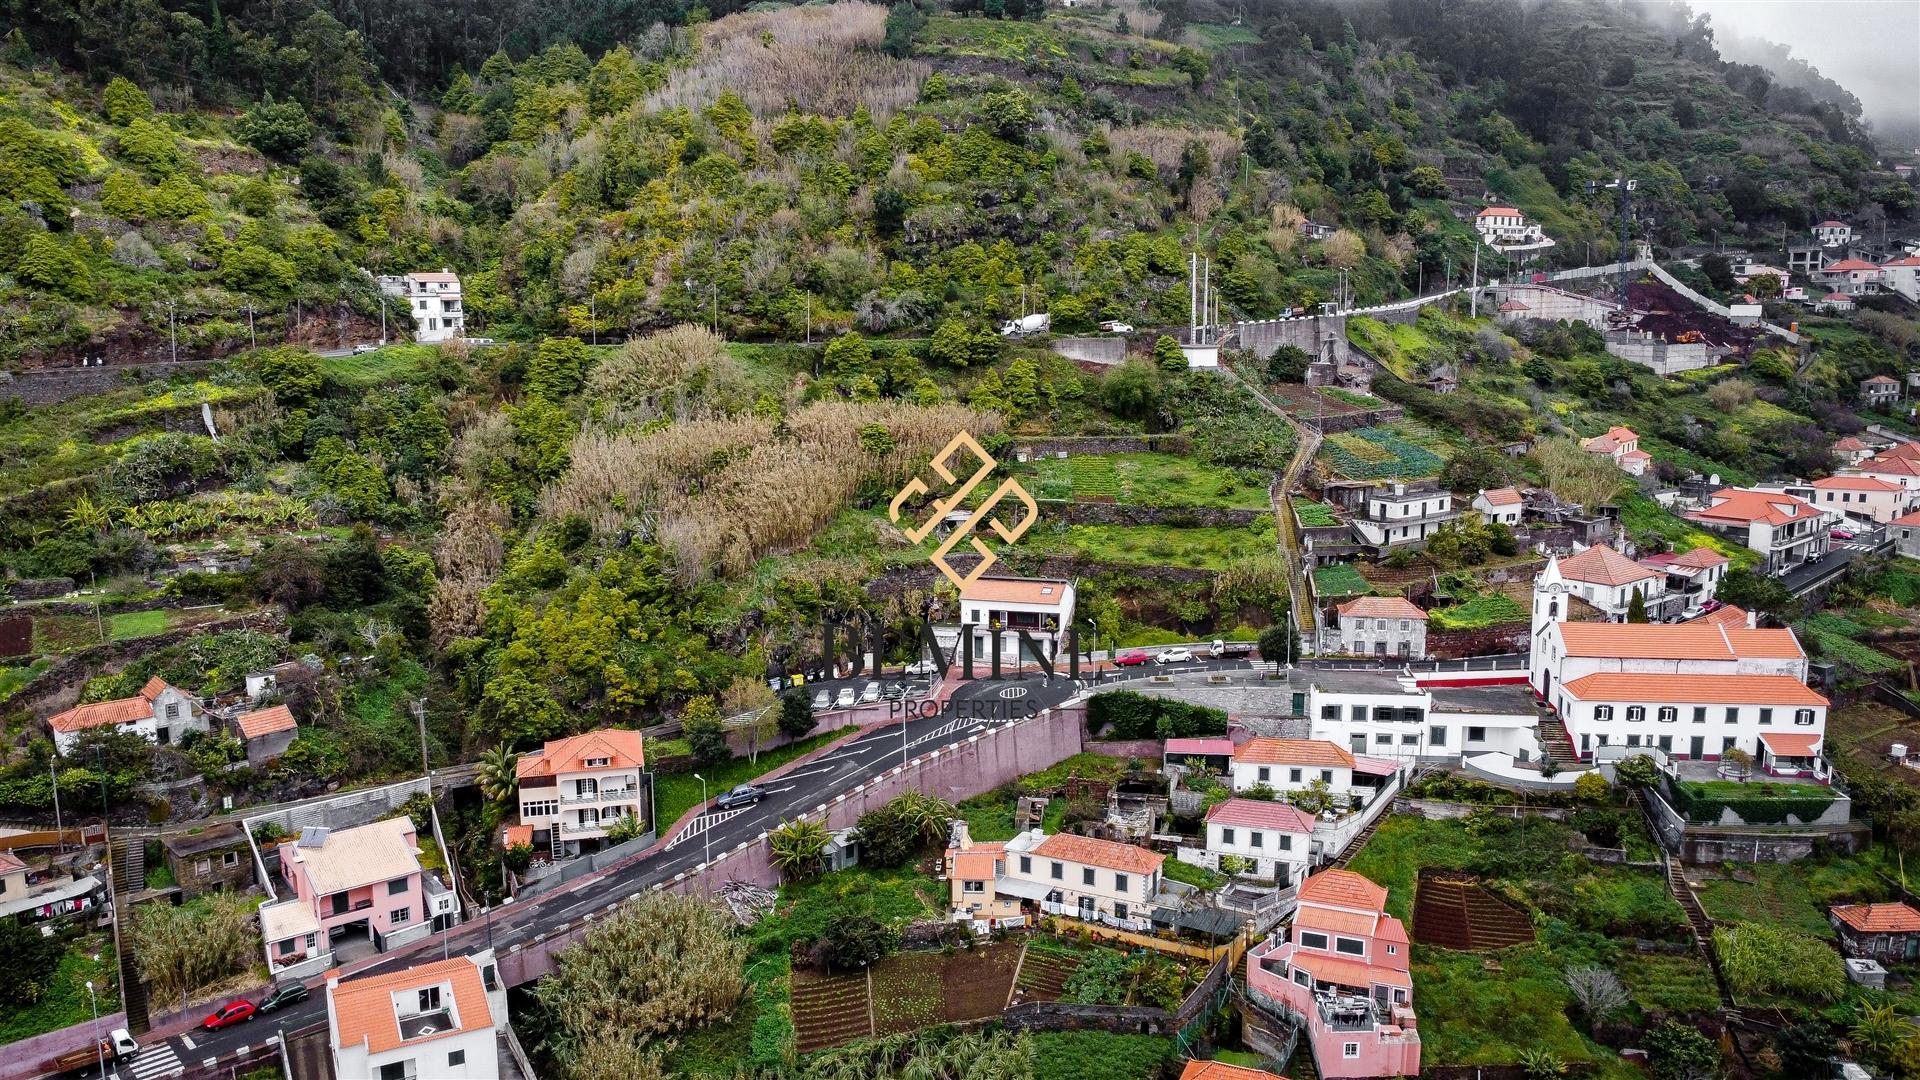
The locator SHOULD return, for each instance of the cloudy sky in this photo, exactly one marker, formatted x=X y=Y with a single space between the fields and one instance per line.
x=1871 y=47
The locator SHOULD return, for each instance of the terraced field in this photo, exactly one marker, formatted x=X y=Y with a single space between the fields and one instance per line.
x=829 y=1010
x=1044 y=975
x=1400 y=451
x=909 y=991
x=1455 y=912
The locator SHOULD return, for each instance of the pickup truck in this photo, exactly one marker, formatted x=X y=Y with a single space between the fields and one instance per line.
x=116 y=1045
x=1220 y=650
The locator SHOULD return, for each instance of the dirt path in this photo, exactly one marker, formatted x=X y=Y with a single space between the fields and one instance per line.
x=1306 y=444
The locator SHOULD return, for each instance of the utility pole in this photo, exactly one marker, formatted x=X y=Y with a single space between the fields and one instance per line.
x=99 y=624
x=383 y=318
x=59 y=829
x=173 y=334
x=420 y=718
x=1474 y=294
x=809 y=316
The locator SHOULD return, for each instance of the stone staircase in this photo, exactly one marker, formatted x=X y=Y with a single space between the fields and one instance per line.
x=1554 y=740
x=129 y=863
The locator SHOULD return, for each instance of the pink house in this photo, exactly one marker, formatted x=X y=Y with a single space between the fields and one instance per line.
x=345 y=884
x=1342 y=974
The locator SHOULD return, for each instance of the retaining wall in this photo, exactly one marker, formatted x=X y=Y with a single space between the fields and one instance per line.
x=1092 y=350
x=1104 y=444
x=1086 y=513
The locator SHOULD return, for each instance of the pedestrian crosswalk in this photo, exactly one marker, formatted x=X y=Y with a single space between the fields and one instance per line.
x=154 y=1062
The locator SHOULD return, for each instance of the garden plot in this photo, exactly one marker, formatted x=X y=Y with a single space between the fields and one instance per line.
x=1149 y=479
x=1400 y=451
x=1338 y=580
x=829 y=1010
x=1044 y=975
x=909 y=991
x=1459 y=913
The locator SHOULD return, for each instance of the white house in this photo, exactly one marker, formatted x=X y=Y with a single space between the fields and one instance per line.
x=1898 y=464
x=1785 y=530
x=1602 y=577
x=433 y=299
x=1291 y=765
x=1391 y=716
x=1506 y=227
x=1501 y=505
x=1276 y=839
x=574 y=790
x=1041 y=607
x=1835 y=302
x=1078 y=876
x=1382 y=626
x=436 y=1020
x=1906 y=535
x=1851 y=450
x=1623 y=446
x=1902 y=275
x=1866 y=497
x=1832 y=233
x=161 y=712
x=1403 y=514
x=1879 y=391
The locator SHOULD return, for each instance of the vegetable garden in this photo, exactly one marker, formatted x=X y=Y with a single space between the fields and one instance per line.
x=907 y=992
x=1383 y=453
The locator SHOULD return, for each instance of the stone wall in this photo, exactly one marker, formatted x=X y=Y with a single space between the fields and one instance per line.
x=1104 y=444
x=1481 y=641
x=1092 y=350
x=50 y=386
x=1436 y=810
x=1147 y=749
x=1085 y=513
x=1319 y=336
x=1066 y=1016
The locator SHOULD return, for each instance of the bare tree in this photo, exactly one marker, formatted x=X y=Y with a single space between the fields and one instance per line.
x=1597 y=990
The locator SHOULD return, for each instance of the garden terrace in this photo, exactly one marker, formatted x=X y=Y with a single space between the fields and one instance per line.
x=1455 y=912
x=1147 y=479
x=1758 y=801
x=1400 y=451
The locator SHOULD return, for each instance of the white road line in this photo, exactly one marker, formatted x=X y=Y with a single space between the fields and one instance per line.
x=186 y=1041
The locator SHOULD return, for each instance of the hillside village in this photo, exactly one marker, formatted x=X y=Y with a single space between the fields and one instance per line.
x=1134 y=539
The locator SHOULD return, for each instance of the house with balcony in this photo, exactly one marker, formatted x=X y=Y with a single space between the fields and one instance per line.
x=1287 y=765
x=434 y=300
x=1006 y=608
x=1855 y=277
x=1603 y=578
x=1341 y=974
x=33 y=893
x=357 y=889
x=1693 y=577
x=1387 y=718
x=160 y=712
x=1504 y=227
x=1034 y=874
x=574 y=791
x=1622 y=446
x=1785 y=530
x=1403 y=514
x=437 y=1021
x=1381 y=626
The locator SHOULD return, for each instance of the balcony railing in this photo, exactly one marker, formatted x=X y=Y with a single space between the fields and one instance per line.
x=1348 y=1013
x=625 y=794
x=577 y=828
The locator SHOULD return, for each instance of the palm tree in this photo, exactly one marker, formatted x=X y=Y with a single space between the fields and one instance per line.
x=495 y=773
x=798 y=848
x=930 y=815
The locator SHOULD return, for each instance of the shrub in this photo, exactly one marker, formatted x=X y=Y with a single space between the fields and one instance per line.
x=1762 y=959
x=1133 y=715
x=1592 y=787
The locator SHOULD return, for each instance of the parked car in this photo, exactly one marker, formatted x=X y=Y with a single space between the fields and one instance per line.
x=1115 y=326
x=478 y=340
x=922 y=667
x=118 y=1044
x=281 y=995
x=233 y=1012
x=744 y=795
x=821 y=700
x=1179 y=654
x=364 y=347
x=894 y=691
x=1131 y=659
x=870 y=693
x=1840 y=534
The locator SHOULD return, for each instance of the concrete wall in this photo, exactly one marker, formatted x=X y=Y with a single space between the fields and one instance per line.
x=1315 y=334
x=1660 y=356
x=1554 y=305
x=1092 y=350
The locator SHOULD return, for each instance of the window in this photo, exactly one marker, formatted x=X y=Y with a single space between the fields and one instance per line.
x=1058 y=872
x=1383 y=712
x=1437 y=736
x=1119 y=909
x=395 y=1070
x=400 y=915
x=1226 y=836
x=1636 y=713
x=540 y=808
x=286 y=947
x=1122 y=884
x=1086 y=875
x=202 y=867
x=1379 y=624
x=1383 y=739
x=1256 y=838
x=1766 y=717
x=1293 y=776
x=1286 y=842
x=1329 y=712
x=1410 y=739
x=1668 y=714
x=397 y=887
x=1350 y=946
x=1358 y=712
x=1393 y=950
x=1601 y=712
x=596 y=763
x=429 y=998
x=1699 y=714
x=456 y=1058
x=1312 y=940
x=973 y=886
x=1026 y=864
x=1349 y=1050
x=231 y=858
x=1476 y=734
x=1327 y=775
x=1733 y=714
x=1803 y=717
x=1301 y=978
x=1265 y=774
x=1406 y=624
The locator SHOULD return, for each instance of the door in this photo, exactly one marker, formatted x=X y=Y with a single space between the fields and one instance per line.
x=1086 y=908
x=1696 y=746
x=1666 y=744
x=1359 y=744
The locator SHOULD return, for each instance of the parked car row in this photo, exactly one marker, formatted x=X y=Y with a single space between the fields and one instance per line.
x=1182 y=654
x=847 y=697
x=240 y=1010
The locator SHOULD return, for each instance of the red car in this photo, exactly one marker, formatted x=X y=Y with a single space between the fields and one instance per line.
x=1131 y=659
x=233 y=1012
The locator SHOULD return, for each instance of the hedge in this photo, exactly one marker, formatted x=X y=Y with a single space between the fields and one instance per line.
x=1703 y=801
x=1138 y=716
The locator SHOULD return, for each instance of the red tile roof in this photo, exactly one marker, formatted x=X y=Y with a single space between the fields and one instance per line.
x=1907 y=519
x=1855 y=483
x=621 y=747
x=1260 y=814
x=1724 y=615
x=1685 y=641
x=514 y=835
x=1220 y=1070
x=1789 y=744
x=1088 y=851
x=1381 y=607
x=1890 y=463
x=1838 y=298
x=1039 y=592
x=1356 y=973
x=1849 y=444
x=1220 y=746
x=363 y=1008
x=1270 y=751
x=1343 y=888
x=1700 y=558
x=1498 y=211
x=1892 y=918
x=1832 y=224
x=1744 y=506
x=10 y=863
x=1513 y=305
x=1602 y=565
x=1505 y=496
x=1694 y=689
x=1615 y=437
x=261 y=722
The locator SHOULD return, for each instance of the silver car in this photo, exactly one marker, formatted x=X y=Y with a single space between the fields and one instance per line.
x=870 y=693
x=844 y=700
x=821 y=700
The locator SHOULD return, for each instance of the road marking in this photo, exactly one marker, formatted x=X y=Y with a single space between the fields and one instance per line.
x=186 y=1041
x=155 y=1061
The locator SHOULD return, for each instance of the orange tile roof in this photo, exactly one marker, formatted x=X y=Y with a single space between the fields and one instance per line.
x=1342 y=888
x=1724 y=615
x=261 y=722
x=1220 y=1070
x=1856 y=264
x=1602 y=565
x=1614 y=438
x=1355 y=973
x=1850 y=444
x=623 y=749
x=1764 y=644
x=1694 y=689
x=363 y=1008
x=1265 y=750
x=1892 y=918
x=1685 y=641
x=1335 y=920
x=1089 y=851
x=1889 y=462
x=1505 y=496
x=10 y=863
x=1381 y=607
x=1907 y=450
x=1504 y=211
x=1700 y=558
x=1789 y=744
x=1741 y=505
x=1855 y=483
x=1036 y=591
x=514 y=835
x=1907 y=519
x=1261 y=814
x=118 y=711
x=976 y=863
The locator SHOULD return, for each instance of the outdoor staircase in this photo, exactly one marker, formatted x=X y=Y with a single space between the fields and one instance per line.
x=128 y=860
x=1554 y=740
x=1689 y=903
x=1307 y=443
x=133 y=992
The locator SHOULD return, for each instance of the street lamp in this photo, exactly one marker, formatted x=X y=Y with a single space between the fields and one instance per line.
x=106 y=838
x=706 y=838
x=100 y=1045
x=488 y=912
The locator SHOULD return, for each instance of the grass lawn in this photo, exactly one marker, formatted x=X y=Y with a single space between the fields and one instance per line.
x=14 y=678
x=676 y=793
x=64 y=633
x=1794 y=894
x=136 y=624
x=1198 y=548
x=64 y=1000
x=394 y=362
x=989 y=816
x=1146 y=479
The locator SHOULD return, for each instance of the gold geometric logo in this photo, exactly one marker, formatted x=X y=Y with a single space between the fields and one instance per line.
x=985 y=512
